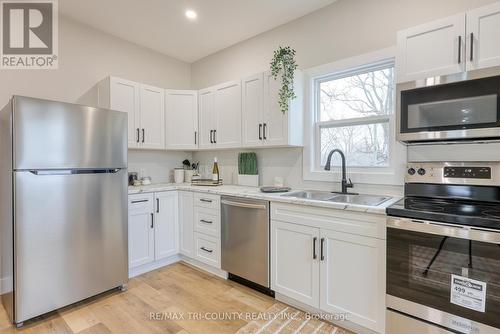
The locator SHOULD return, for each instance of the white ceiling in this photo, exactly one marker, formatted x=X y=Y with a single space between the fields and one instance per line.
x=161 y=25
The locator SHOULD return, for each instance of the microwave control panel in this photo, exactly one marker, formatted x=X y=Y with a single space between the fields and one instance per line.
x=467 y=172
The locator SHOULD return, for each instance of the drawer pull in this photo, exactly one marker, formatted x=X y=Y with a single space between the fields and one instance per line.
x=207 y=250
x=205 y=200
x=206 y=221
x=139 y=201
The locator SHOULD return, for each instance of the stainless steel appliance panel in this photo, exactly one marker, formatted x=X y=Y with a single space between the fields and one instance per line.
x=245 y=239
x=49 y=135
x=70 y=235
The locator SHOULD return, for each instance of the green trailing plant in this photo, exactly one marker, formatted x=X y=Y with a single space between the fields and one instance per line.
x=284 y=62
x=247 y=163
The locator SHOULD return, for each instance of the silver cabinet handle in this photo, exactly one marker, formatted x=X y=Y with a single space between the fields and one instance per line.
x=207 y=250
x=244 y=205
x=315 y=256
x=138 y=135
x=211 y=140
x=206 y=221
x=143 y=135
x=152 y=220
x=139 y=201
x=264 y=131
x=215 y=136
x=205 y=200
x=260 y=131
x=157 y=205
x=195 y=135
x=322 y=246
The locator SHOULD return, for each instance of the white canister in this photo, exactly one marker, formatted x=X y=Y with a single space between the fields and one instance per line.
x=179 y=175
x=188 y=175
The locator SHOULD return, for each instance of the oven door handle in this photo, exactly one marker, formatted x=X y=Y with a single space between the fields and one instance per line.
x=445 y=229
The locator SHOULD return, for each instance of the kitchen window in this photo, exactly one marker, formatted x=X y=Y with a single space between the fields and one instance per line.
x=352 y=109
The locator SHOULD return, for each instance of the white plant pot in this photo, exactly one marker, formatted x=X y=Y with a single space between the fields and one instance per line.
x=248 y=180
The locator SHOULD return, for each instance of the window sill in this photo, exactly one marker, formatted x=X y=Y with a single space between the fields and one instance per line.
x=383 y=176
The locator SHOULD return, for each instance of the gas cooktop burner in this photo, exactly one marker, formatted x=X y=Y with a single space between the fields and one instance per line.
x=426 y=207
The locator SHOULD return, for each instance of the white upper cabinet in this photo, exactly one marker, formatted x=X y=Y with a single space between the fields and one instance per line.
x=483 y=37
x=206 y=115
x=252 y=91
x=263 y=122
x=122 y=95
x=144 y=105
x=181 y=115
x=463 y=42
x=227 y=106
x=152 y=114
x=431 y=49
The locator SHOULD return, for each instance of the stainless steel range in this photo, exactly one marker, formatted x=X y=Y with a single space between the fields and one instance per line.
x=443 y=250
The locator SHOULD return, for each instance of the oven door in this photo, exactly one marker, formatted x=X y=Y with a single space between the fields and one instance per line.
x=460 y=110
x=444 y=274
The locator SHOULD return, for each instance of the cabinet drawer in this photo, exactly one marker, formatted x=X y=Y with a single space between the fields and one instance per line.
x=207 y=249
x=207 y=201
x=207 y=221
x=140 y=203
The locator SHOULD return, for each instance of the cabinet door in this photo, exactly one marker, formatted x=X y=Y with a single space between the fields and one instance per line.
x=353 y=278
x=275 y=130
x=152 y=118
x=228 y=115
x=432 y=49
x=252 y=91
x=294 y=268
x=206 y=117
x=124 y=96
x=483 y=36
x=181 y=114
x=140 y=230
x=166 y=224
x=186 y=223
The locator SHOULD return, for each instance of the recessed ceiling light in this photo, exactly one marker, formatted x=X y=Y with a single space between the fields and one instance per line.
x=191 y=14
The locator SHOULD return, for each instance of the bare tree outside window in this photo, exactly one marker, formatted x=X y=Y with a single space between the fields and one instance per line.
x=354 y=114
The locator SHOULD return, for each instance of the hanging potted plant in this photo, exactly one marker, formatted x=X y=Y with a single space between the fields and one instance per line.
x=284 y=62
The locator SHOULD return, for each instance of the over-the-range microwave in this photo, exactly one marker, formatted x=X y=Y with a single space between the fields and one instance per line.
x=458 y=107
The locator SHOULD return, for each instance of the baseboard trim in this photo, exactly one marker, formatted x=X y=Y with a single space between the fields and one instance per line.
x=349 y=325
x=153 y=266
x=205 y=267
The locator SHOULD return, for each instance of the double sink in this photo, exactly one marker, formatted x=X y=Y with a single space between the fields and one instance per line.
x=325 y=196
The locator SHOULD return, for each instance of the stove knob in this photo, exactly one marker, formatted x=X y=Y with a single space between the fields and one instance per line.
x=411 y=171
x=421 y=171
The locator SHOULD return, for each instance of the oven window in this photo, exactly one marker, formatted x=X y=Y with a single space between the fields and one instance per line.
x=420 y=265
x=457 y=106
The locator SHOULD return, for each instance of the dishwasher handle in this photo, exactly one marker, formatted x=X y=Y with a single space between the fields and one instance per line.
x=244 y=205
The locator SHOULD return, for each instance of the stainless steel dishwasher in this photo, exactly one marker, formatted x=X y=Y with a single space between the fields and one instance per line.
x=245 y=241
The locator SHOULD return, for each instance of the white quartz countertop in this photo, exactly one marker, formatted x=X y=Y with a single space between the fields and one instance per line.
x=254 y=192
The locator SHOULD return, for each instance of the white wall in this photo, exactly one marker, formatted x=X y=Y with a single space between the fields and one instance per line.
x=342 y=30
x=85 y=57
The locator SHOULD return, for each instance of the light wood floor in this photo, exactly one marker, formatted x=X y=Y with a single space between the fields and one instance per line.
x=175 y=288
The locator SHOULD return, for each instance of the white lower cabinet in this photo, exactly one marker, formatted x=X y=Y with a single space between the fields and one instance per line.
x=166 y=225
x=186 y=223
x=317 y=262
x=140 y=230
x=295 y=267
x=352 y=277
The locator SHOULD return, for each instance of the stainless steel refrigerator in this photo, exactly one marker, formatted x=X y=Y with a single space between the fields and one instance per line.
x=63 y=204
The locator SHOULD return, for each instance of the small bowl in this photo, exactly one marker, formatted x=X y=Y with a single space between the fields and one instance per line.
x=146 y=180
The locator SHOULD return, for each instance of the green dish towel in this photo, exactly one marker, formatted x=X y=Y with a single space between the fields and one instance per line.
x=247 y=163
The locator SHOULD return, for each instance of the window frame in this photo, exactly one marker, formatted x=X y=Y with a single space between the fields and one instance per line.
x=392 y=174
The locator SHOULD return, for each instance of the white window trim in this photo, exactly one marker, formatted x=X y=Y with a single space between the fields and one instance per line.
x=391 y=175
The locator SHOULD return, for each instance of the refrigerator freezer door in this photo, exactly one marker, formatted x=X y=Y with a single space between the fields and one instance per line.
x=70 y=232
x=53 y=135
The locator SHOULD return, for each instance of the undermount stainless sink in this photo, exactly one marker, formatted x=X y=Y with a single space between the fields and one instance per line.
x=311 y=194
x=370 y=200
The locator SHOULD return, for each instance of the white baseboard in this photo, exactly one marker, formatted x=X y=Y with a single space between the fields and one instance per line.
x=306 y=308
x=153 y=265
x=205 y=267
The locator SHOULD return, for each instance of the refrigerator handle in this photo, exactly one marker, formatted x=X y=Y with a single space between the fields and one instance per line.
x=73 y=171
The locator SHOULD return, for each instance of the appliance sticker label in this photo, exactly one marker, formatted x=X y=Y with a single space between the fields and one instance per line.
x=468 y=293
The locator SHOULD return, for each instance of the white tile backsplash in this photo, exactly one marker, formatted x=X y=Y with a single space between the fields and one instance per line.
x=159 y=165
